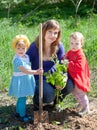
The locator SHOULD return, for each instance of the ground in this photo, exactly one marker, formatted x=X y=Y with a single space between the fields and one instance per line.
x=64 y=120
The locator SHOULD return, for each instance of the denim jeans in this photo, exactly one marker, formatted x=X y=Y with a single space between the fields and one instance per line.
x=68 y=88
x=48 y=93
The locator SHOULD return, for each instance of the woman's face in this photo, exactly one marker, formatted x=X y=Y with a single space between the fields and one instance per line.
x=51 y=35
x=75 y=44
x=20 y=50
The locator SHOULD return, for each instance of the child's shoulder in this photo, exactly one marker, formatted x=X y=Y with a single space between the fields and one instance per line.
x=17 y=59
x=27 y=56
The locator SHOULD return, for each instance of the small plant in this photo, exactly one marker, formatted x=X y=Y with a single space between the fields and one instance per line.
x=59 y=77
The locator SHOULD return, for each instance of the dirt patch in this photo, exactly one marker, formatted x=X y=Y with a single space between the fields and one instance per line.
x=67 y=119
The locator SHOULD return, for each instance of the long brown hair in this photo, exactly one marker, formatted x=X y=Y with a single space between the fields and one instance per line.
x=50 y=24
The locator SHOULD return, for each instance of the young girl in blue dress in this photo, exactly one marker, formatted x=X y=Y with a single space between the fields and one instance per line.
x=22 y=83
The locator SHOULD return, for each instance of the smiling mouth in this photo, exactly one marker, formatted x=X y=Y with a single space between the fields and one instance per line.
x=20 y=53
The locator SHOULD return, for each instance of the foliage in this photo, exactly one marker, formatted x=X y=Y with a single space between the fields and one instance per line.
x=7 y=32
x=76 y=4
x=69 y=102
x=30 y=13
x=7 y=4
x=33 y=12
x=59 y=76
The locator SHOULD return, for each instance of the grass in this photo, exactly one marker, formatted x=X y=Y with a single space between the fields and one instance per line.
x=86 y=25
x=13 y=26
x=30 y=26
x=7 y=33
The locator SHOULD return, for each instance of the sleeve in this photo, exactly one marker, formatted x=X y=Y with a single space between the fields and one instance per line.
x=31 y=52
x=61 y=52
x=64 y=56
x=17 y=62
x=78 y=65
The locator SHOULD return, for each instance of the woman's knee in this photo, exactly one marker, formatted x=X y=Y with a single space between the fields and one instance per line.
x=69 y=85
x=48 y=93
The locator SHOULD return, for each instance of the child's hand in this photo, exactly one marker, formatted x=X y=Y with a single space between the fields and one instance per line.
x=40 y=71
x=65 y=61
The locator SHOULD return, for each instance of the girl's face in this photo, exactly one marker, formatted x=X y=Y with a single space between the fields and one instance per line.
x=75 y=44
x=20 y=49
x=51 y=35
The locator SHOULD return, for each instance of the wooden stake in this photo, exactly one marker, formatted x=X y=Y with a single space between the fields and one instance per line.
x=40 y=76
x=40 y=116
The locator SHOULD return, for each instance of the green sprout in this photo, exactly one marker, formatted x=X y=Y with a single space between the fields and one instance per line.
x=59 y=76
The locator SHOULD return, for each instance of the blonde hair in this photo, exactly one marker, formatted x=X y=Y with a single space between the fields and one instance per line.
x=76 y=35
x=50 y=24
x=20 y=38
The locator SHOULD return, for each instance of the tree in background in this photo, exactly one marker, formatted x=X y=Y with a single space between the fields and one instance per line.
x=8 y=4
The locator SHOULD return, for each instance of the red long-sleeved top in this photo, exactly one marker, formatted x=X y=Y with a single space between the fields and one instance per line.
x=78 y=69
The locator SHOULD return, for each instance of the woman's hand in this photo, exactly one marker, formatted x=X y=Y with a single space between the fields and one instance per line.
x=58 y=87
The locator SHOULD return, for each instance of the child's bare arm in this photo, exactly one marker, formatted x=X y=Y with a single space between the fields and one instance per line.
x=29 y=71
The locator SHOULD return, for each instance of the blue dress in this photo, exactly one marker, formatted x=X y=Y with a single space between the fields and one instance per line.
x=21 y=84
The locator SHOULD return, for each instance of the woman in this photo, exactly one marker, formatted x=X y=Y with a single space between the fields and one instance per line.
x=52 y=47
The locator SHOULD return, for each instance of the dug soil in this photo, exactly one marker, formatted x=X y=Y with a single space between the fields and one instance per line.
x=67 y=119
x=64 y=120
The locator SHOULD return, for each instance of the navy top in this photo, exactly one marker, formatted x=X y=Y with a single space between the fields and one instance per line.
x=48 y=64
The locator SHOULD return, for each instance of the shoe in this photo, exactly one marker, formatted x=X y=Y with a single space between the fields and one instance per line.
x=29 y=117
x=84 y=111
x=26 y=118
x=17 y=115
x=58 y=108
x=78 y=107
x=48 y=104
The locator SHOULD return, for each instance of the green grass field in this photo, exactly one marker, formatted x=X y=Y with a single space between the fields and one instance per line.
x=9 y=27
x=25 y=19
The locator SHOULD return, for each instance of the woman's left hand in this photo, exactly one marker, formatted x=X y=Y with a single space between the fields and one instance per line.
x=58 y=87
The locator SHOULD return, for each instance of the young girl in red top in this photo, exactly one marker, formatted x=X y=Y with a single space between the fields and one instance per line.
x=79 y=71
